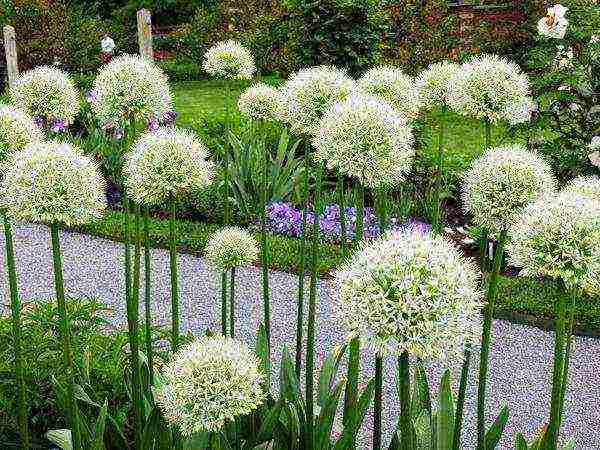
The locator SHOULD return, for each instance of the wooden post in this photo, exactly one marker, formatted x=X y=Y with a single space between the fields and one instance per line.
x=10 y=49
x=144 y=26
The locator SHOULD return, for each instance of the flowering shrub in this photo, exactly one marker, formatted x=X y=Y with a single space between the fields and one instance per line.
x=17 y=130
x=229 y=59
x=410 y=291
x=231 y=247
x=380 y=154
x=131 y=88
x=53 y=182
x=209 y=383
x=48 y=95
x=260 y=102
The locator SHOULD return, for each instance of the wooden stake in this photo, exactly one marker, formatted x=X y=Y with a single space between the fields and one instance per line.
x=10 y=49
x=144 y=26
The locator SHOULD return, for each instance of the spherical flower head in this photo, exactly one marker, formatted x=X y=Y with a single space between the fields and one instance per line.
x=586 y=186
x=17 y=130
x=367 y=139
x=490 y=87
x=209 y=383
x=392 y=85
x=501 y=183
x=435 y=82
x=231 y=247
x=410 y=291
x=47 y=94
x=130 y=88
x=53 y=182
x=309 y=93
x=554 y=25
x=166 y=164
x=260 y=102
x=229 y=59
x=559 y=238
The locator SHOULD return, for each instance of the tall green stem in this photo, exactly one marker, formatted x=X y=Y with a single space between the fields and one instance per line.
x=147 y=288
x=15 y=305
x=342 y=207
x=405 y=421
x=232 y=304
x=174 y=278
x=571 y=325
x=488 y=133
x=437 y=222
x=486 y=339
x=378 y=402
x=302 y=268
x=351 y=393
x=265 y=252
x=224 y=303
x=360 y=215
x=460 y=401
x=312 y=301
x=65 y=331
x=127 y=245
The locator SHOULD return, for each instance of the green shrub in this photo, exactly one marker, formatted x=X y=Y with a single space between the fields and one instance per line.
x=182 y=68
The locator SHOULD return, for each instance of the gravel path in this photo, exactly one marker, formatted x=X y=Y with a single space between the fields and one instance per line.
x=520 y=362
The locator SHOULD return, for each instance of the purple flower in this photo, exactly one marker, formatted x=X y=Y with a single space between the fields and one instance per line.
x=39 y=121
x=58 y=126
x=153 y=124
x=119 y=133
x=90 y=96
x=169 y=117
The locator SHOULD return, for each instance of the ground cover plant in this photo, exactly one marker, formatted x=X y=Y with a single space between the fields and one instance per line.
x=333 y=175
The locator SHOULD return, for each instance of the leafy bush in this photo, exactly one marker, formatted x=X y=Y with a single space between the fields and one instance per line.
x=182 y=68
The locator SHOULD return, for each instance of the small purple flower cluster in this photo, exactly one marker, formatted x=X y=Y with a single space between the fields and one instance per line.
x=283 y=218
x=57 y=126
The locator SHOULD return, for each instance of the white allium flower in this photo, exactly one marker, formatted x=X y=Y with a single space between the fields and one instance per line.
x=410 y=291
x=435 y=83
x=501 y=183
x=209 y=383
x=309 y=93
x=260 y=102
x=367 y=139
x=554 y=25
x=231 y=247
x=586 y=186
x=229 y=59
x=53 y=182
x=491 y=87
x=392 y=85
x=47 y=94
x=17 y=130
x=130 y=87
x=559 y=238
x=165 y=164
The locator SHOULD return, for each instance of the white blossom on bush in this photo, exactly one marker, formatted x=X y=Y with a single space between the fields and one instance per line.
x=392 y=85
x=166 y=164
x=17 y=130
x=231 y=247
x=559 y=237
x=435 y=82
x=490 y=87
x=501 y=183
x=554 y=25
x=410 y=291
x=260 y=102
x=48 y=95
x=53 y=182
x=586 y=186
x=229 y=59
x=367 y=139
x=130 y=88
x=309 y=93
x=208 y=384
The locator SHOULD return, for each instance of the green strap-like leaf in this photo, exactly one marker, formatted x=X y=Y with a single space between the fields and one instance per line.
x=329 y=370
x=98 y=439
x=326 y=417
x=445 y=415
x=493 y=435
x=60 y=438
x=521 y=443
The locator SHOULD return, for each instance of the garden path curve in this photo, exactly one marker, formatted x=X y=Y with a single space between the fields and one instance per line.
x=521 y=356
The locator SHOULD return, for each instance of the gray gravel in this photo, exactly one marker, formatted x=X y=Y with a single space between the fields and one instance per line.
x=520 y=362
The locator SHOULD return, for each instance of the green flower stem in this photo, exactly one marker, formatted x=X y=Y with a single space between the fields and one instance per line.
x=264 y=247
x=312 y=300
x=360 y=215
x=460 y=401
x=574 y=296
x=437 y=222
x=486 y=339
x=224 y=303
x=15 y=305
x=351 y=393
x=127 y=245
x=147 y=289
x=488 y=133
x=342 y=206
x=232 y=304
x=378 y=402
x=65 y=331
x=174 y=278
x=405 y=421
x=302 y=267
x=133 y=325
x=552 y=432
